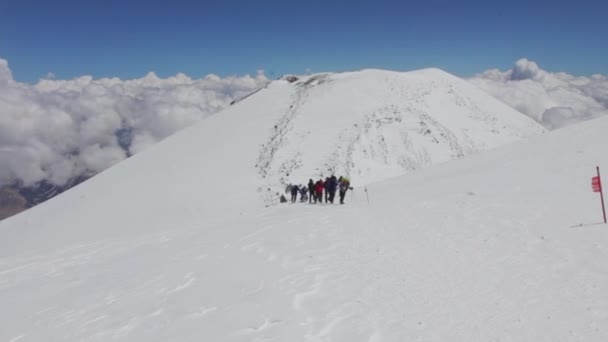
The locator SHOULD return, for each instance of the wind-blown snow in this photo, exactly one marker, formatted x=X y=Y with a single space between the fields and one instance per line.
x=175 y=243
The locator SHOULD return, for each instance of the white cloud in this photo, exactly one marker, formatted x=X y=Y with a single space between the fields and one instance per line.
x=525 y=70
x=5 y=73
x=553 y=99
x=56 y=130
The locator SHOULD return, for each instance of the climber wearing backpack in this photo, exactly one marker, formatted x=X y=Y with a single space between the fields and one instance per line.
x=319 y=190
x=311 y=191
x=326 y=186
x=294 y=193
x=303 y=193
x=333 y=185
x=344 y=185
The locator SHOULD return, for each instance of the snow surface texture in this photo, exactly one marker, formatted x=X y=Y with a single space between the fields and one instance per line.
x=175 y=242
x=553 y=99
x=60 y=130
x=500 y=246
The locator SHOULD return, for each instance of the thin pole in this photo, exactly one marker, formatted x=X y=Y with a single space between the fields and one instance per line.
x=601 y=193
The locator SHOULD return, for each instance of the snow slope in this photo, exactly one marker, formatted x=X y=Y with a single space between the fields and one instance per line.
x=369 y=125
x=374 y=124
x=502 y=246
x=175 y=243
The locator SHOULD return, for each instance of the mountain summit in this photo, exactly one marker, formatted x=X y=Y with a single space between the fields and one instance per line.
x=375 y=124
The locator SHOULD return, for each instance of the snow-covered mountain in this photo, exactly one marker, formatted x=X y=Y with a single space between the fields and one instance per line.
x=499 y=246
x=180 y=242
x=376 y=124
x=371 y=124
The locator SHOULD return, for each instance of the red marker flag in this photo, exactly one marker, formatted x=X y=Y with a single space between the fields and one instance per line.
x=596 y=185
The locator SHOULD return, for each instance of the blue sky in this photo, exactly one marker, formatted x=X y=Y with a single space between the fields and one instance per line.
x=127 y=39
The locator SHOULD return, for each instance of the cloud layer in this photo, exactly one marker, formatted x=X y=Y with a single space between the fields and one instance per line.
x=56 y=130
x=553 y=99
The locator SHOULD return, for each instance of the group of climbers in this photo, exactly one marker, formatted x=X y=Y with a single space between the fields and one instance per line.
x=315 y=192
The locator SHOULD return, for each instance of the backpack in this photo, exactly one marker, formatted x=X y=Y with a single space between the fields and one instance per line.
x=344 y=184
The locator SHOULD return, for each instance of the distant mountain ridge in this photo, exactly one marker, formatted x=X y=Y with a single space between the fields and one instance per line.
x=17 y=198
